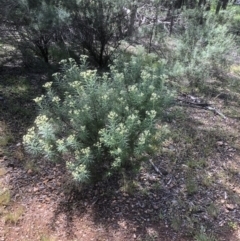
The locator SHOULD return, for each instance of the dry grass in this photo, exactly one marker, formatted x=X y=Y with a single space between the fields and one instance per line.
x=15 y=216
x=235 y=69
x=203 y=156
x=31 y=166
x=4 y=197
x=202 y=236
x=3 y=171
x=47 y=237
x=5 y=134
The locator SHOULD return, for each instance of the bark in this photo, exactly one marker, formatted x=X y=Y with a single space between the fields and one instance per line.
x=221 y=4
x=132 y=20
x=224 y=4
x=201 y=2
x=218 y=6
x=179 y=3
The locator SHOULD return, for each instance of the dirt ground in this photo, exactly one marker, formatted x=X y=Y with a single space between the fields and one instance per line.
x=189 y=191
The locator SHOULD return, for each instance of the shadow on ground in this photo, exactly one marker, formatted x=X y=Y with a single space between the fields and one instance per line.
x=196 y=191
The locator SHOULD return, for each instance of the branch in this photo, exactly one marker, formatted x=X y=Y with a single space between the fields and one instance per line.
x=197 y=103
x=155 y=168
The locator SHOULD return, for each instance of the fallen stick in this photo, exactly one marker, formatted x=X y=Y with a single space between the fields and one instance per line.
x=205 y=106
x=216 y=112
x=155 y=168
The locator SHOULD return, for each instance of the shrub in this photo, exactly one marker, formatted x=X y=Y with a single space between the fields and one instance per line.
x=202 y=48
x=98 y=26
x=33 y=27
x=100 y=124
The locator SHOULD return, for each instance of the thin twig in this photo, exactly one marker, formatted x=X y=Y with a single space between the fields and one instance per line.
x=205 y=106
x=155 y=168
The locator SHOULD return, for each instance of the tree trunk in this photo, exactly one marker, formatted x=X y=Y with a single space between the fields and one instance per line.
x=172 y=21
x=178 y=4
x=132 y=20
x=221 y=4
x=44 y=53
x=224 y=4
x=42 y=45
x=218 y=6
x=201 y=2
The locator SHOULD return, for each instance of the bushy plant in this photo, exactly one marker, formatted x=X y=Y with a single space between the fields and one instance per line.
x=33 y=27
x=201 y=49
x=103 y=123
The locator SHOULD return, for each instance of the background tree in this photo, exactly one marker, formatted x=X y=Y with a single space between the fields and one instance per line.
x=52 y=30
x=34 y=26
x=98 y=26
x=222 y=4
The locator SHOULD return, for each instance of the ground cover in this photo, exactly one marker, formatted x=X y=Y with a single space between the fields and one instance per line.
x=194 y=194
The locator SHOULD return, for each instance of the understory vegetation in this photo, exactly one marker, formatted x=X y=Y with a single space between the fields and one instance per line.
x=142 y=92
x=100 y=124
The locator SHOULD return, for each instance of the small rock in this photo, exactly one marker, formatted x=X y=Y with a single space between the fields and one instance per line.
x=185 y=167
x=219 y=143
x=45 y=181
x=155 y=207
x=134 y=236
x=35 y=189
x=17 y=195
x=230 y=207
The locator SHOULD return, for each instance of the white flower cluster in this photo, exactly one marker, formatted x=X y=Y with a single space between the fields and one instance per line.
x=154 y=97
x=39 y=99
x=145 y=75
x=112 y=115
x=41 y=120
x=132 y=88
x=48 y=148
x=77 y=170
x=29 y=137
x=121 y=129
x=70 y=140
x=86 y=152
x=151 y=114
x=56 y=99
x=143 y=137
x=105 y=97
x=48 y=85
x=132 y=117
x=60 y=142
x=88 y=74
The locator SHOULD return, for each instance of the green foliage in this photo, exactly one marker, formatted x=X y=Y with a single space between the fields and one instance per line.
x=33 y=26
x=234 y=22
x=100 y=123
x=201 y=49
x=202 y=236
x=99 y=25
x=50 y=29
